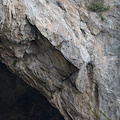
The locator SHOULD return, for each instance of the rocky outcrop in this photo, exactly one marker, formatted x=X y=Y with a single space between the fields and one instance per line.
x=66 y=52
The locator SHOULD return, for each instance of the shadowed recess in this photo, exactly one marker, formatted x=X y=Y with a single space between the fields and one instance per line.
x=18 y=101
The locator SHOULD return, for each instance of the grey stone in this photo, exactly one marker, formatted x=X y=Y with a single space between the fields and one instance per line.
x=66 y=52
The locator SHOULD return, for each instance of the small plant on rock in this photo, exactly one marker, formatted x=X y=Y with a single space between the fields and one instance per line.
x=117 y=4
x=102 y=17
x=47 y=1
x=119 y=47
x=97 y=6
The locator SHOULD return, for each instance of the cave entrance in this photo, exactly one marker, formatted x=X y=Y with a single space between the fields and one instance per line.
x=19 y=101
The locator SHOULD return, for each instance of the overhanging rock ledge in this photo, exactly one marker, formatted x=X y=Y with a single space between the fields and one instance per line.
x=66 y=52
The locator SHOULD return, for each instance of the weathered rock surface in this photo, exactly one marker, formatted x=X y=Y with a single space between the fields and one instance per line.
x=66 y=52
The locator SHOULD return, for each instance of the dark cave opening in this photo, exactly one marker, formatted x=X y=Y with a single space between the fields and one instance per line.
x=19 y=101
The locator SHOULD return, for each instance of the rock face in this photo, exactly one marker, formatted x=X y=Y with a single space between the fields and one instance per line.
x=66 y=52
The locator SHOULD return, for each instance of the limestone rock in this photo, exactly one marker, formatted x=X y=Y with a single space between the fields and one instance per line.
x=66 y=52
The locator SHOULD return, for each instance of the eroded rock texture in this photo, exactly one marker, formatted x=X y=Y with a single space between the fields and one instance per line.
x=66 y=52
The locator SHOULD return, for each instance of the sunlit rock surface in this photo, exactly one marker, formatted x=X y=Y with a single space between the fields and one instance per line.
x=66 y=52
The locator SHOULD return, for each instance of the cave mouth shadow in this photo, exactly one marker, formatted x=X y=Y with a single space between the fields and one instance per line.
x=19 y=101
